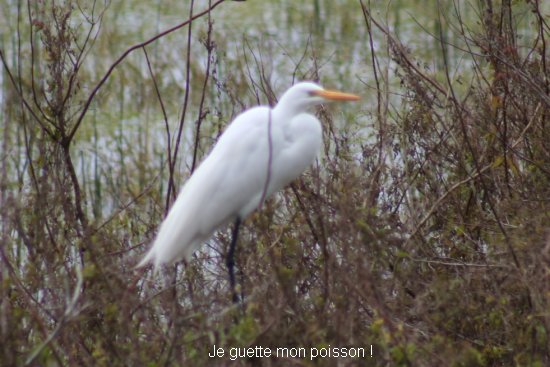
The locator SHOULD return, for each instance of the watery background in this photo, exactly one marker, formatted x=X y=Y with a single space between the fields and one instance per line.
x=422 y=229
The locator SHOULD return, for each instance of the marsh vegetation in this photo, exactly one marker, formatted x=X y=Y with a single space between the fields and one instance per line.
x=422 y=229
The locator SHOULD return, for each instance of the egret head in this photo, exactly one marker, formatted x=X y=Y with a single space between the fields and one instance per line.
x=303 y=95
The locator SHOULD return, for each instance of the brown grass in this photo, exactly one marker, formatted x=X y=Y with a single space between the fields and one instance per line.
x=428 y=240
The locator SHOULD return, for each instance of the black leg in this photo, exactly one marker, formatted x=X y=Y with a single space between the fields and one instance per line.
x=230 y=260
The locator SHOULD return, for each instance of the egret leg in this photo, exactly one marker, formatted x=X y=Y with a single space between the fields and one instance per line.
x=230 y=260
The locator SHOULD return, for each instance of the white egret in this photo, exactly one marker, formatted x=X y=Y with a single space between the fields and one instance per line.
x=260 y=152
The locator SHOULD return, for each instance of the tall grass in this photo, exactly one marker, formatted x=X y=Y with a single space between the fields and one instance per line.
x=422 y=229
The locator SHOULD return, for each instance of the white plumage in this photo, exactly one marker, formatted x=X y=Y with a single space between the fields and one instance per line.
x=231 y=181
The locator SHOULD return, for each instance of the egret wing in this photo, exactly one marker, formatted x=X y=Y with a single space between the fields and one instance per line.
x=234 y=172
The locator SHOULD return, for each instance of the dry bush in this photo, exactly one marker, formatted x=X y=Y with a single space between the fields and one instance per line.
x=425 y=236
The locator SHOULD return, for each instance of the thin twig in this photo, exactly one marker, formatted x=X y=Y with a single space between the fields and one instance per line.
x=209 y=48
x=123 y=56
x=22 y=98
x=171 y=185
x=164 y=114
x=269 y=160
x=70 y=312
x=466 y=180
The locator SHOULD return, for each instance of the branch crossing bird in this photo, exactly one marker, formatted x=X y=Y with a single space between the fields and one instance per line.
x=261 y=151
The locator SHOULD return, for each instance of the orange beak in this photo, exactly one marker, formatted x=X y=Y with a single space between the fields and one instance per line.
x=334 y=95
